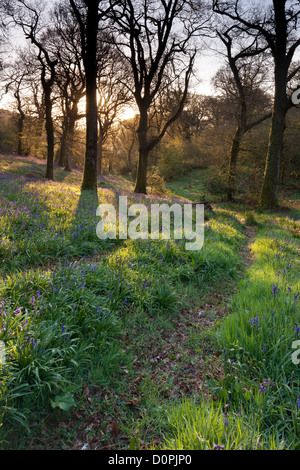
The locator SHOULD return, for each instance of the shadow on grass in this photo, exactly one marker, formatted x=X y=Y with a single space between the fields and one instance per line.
x=83 y=236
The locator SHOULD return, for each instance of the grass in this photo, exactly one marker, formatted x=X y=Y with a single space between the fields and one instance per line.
x=119 y=343
x=257 y=402
x=190 y=186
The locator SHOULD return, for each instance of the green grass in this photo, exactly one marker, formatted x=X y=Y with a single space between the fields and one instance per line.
x=259 y=395
x=190 y=186
x=115 y=333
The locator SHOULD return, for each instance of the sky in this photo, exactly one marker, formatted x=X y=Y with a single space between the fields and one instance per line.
x=207 y=64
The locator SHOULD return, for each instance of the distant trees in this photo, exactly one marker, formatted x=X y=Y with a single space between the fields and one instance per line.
x=113 y=79
x=16 y=82
x=276 y=27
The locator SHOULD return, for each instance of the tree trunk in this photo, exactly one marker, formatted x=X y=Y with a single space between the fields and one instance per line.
x=63 y=145
x=269 y=196
x=70 y=136
x=20 y=150
x=100 y=152
x=233 y=159
x=50 y=135
x=141 y=177
x=68 y=166
x=70 y=143
x=90 y=63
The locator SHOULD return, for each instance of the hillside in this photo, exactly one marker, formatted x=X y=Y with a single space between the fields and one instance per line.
x=140 y=344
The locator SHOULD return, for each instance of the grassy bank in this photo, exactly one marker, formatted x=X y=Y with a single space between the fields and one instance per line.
x=257 y=402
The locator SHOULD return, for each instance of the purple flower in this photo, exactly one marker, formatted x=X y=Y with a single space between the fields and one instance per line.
x=218 y=447
x=255 y=323
x=262 y=388
x=18 y=311
x=275 y=288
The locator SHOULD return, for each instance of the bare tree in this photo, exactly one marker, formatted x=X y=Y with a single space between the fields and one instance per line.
x=113 y=96
x=70 y=77
x=88 y=16
x=243 y=80
x=276 y=26
x=15 y=80
x=29 y=16
x=156 y=38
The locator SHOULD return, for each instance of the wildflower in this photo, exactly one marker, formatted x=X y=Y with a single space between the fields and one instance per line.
x=255 y=322
x=262 y=388
x=218 y=447
x=18 y=311
x=298 y=401
x=275 y=288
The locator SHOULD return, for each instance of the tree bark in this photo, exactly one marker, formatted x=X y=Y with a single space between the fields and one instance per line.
x=21 y=133
x=50 y=134
x=63 y=144
x=233 y=159
x=269 y=195
x=90 y=63
x=100 y=151
x=141 y=177
x=70 y=139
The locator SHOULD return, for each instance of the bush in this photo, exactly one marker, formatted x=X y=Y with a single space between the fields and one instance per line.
x=216 y=184
x=171 y=163
x=156 y=182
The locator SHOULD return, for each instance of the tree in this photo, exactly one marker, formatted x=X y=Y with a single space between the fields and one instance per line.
x=242 y=80
x=113 y=95
x=70 y=77
x=156 y=38
x=276 y=26
x=88 y=16
x=16 y=82
x=29 y=16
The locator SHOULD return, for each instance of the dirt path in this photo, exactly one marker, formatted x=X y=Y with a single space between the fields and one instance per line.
x=250 y=232
x=183 y=356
